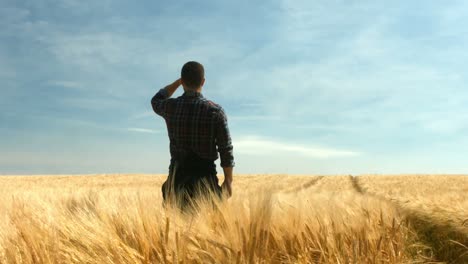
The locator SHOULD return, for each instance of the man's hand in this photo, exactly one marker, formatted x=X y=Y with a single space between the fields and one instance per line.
x=171 y=88
x=227 y=188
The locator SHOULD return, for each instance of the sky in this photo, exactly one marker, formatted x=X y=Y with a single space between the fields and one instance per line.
x=309 y=87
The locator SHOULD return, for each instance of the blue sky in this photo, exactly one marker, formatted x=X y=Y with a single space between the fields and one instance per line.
x=319 y=87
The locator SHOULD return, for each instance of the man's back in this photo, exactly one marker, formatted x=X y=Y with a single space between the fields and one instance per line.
x=195 y=125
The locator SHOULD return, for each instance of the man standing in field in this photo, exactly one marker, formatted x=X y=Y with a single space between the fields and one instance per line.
x=197 y=130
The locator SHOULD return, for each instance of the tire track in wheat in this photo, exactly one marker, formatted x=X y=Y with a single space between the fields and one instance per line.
x=448 y=243
x=304 y=186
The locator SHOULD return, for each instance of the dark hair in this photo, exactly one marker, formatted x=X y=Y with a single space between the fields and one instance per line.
x=192 y=74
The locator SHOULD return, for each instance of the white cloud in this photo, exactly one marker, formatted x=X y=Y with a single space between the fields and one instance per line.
x=117 y=62
x=255 y=118
x=143 y=130
x=360 y=74
x=143 y=115
x=92 y=103
x=261 y=146
x=65 y=84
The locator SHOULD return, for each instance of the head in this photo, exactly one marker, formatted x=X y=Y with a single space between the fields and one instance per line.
x=193 y=76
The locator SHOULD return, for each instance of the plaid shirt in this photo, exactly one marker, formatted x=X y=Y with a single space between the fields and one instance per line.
x=195 y=124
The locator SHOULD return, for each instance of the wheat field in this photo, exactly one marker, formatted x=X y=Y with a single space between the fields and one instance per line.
x=269 y=219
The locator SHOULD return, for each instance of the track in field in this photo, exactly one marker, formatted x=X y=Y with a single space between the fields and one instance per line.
x=449 y=244
x=304 y=186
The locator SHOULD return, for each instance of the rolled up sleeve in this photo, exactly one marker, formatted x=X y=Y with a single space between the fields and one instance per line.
x=159 y=102
x=223 y=141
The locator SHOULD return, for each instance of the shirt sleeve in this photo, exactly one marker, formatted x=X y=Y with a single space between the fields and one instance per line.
x=223 y=141
x=159 y=102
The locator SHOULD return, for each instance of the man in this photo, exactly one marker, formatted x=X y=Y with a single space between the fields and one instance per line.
x=197 y=130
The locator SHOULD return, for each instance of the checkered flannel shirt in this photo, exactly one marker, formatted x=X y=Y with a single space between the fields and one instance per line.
x=195 y=124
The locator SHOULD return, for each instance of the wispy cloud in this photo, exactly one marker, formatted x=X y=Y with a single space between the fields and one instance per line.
x=253 y=145
x=143 y=115
x=362 y=74
x=143 y=130
x=92 y=103
x=66 y=84
x=255 y=117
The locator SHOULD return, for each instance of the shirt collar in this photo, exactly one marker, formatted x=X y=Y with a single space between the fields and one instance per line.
x=190 y=93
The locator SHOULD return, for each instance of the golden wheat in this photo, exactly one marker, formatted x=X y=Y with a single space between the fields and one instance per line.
x=270 y=219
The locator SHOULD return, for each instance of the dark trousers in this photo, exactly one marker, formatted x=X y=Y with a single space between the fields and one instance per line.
x=190 y=177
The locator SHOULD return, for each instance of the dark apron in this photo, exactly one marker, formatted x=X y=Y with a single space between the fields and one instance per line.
x=190 y=176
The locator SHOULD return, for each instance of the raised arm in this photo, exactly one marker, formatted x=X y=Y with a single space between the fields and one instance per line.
x=225 y=150
x=158 y=102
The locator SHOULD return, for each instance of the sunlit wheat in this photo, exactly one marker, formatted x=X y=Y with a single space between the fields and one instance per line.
x=270 y=219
